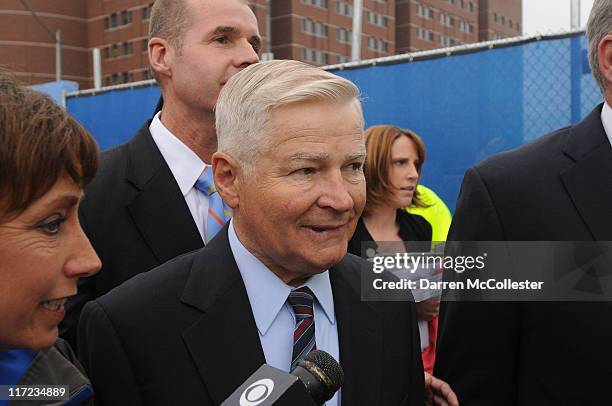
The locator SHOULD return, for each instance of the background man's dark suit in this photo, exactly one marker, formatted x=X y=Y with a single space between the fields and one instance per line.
x=184 y=334
x=135 y=217
x=557 y=188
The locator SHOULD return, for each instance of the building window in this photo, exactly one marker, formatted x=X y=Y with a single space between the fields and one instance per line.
x=424 y=12
x=127 y=48
x=320 y=29
x=317 y=3
x=145 y=45
x=344 y=36
x=126 y=77
x=314 y=28
x=462 y=3
x=425 y=35
x=372 y=43
x=146 y=12
x=446 y=20
x=106 y=22
x=471 y=7
x=126 y=17
x=495 y=17
x=342 y=59
x=445 y=41
x=377 y=44
x=115 y=51
x=344 y=8
x=465 y=27
x=307 y=26
x=146 y=75
x=518 y=28
x=377 y=19
x=113 y=20
x=503 y=20
x=510 y=22
x=106 y=52
x=315 y=56
x=114 y=79
x=451 y=1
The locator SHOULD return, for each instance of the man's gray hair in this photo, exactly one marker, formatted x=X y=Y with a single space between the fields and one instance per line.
x=599 y=25
x=247 y=100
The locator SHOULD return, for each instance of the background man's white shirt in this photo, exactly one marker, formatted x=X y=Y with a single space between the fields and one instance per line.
x=186 y=167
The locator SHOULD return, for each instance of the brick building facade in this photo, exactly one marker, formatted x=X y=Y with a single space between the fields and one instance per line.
x=315 y=31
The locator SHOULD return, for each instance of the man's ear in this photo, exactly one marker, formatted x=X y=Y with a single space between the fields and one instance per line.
x=160 y=56
x=604 y=54
x=227 y=182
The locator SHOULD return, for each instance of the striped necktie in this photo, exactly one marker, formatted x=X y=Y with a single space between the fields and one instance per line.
x=218 y=212
x=302 y=301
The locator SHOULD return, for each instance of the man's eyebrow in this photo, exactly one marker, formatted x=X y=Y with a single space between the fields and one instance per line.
x=308 y=156
x=226 y=29
x=357 y=156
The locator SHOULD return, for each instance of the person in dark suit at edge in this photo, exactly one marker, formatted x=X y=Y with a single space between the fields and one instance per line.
x=149 y=201
x=556 y=188
x=191 y=331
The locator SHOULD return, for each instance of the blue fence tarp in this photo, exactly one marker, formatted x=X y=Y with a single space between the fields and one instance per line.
x=114 y=116
x=466 y=107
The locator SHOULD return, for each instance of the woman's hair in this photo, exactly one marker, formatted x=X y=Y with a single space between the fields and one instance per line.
x=379 y=141
x=39 y=142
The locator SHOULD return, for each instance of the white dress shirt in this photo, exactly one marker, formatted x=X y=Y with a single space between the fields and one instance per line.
x=186 y=167
x=606 y=119
x=274 y=317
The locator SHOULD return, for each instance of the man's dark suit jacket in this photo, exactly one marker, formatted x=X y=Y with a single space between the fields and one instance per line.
x=184 y=334
x=135 y=217
x=557 y=188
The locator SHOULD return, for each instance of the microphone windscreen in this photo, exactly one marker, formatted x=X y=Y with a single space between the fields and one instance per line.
x=329 y=366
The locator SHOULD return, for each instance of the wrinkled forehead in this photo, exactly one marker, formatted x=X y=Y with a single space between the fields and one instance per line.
x=215 y=11
x=320 y=128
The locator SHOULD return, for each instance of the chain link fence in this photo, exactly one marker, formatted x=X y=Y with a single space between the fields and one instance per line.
x=470 y=102
x=466 y=102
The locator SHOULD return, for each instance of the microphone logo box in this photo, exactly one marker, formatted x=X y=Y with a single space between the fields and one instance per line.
x=269 y=386
x=257 y=392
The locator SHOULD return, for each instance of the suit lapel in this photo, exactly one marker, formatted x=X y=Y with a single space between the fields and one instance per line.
x=589 y=180
x=223 y=342
x=360 y=339
x=159 y=210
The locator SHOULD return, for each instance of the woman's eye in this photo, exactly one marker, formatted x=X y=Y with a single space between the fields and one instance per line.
x=52 y=226
x=307 y=171
x=221 y=40
x=356 y=166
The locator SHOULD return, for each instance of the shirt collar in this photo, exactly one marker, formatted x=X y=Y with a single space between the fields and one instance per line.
x=267 y=293
x=606 y=119
x=185 y=165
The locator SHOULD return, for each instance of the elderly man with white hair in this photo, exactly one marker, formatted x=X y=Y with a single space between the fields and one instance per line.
x=556 y=188
x=289 y=164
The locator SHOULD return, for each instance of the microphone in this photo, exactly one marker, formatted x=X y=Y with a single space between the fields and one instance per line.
x=313 y=382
